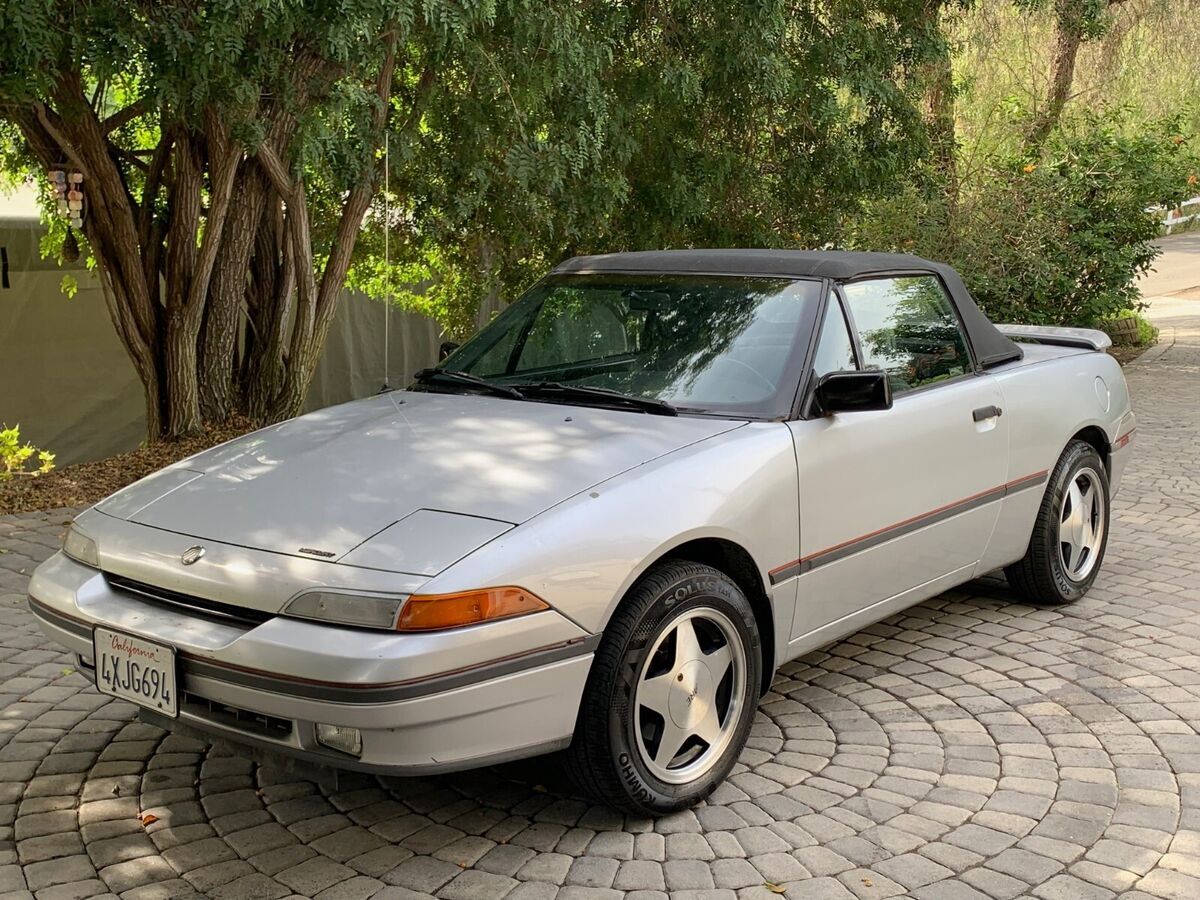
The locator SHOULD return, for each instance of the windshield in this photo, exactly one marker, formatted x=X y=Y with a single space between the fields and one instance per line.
x=702 y=343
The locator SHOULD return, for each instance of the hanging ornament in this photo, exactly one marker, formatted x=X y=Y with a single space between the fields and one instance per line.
x=70 y=202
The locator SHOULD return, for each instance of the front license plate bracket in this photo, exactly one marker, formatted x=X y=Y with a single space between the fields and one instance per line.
x=137 y=670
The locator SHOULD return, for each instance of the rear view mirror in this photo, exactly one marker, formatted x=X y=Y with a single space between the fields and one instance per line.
x=854 y=391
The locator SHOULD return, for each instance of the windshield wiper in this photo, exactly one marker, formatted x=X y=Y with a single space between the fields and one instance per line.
x=425 y=376
x=600 y=396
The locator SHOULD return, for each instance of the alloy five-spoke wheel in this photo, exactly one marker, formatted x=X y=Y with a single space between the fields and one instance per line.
x=687 y=702
x=671 y=692
x=1082 y=523
x=1070 y=532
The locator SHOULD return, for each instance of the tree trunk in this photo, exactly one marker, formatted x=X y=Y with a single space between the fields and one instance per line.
x=176 y=274
x=316 y=303
x=230 y=284
x=1069 y=26
x=183 y=386
x=272 y=289
x=939 y=106
x=182 y=331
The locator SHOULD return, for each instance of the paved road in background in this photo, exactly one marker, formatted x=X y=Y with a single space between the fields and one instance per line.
x=970 y=748
x=1177 y=269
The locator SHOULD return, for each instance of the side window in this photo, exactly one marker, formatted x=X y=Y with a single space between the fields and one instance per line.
x=908 y=329
x=835 y=350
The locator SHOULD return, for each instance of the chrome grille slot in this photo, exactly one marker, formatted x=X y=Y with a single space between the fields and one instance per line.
x=214 y=610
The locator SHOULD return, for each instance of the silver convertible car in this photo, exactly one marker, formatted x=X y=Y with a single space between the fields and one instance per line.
x=600 y=525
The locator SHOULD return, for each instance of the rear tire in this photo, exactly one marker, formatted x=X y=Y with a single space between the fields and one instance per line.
x=1071 y=531
x=680 y=664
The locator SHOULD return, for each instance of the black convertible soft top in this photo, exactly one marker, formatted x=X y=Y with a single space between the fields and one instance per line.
x=991 y=347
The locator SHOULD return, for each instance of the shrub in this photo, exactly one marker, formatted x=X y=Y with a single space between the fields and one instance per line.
x=16 y=457
x=1056 y=239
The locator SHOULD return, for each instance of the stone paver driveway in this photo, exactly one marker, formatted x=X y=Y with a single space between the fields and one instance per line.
x=969 y=748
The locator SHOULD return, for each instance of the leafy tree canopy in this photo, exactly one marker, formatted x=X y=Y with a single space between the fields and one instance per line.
x=688 y=124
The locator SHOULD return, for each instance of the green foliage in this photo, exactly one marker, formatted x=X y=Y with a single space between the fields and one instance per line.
x=21 y=459
x=679 y=124
x=1057 y=239
x=1135 y=56
x=521 y=133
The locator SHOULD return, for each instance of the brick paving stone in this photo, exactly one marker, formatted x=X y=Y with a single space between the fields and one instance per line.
x=593 y=871
x=254 y=886
x=137 y=872
x=58 y=871
x=422 y=873
x=314 y=875
x=475 y=885
x=639 y=875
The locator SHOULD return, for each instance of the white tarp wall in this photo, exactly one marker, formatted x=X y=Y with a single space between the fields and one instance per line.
x=66 y=379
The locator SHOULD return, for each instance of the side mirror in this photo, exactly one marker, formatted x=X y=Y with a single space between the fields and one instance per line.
x=854 y=391
x=447 y=348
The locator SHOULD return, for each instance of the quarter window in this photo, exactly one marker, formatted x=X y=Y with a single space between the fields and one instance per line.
x=835 y=349
x=908 y=328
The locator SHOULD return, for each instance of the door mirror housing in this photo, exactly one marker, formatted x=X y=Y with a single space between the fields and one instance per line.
x=857 y=391
x=446 y=349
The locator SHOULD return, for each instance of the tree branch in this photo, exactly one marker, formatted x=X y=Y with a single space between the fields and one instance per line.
x=275 y=170
x=111 y=218
x=129 y=157
x=125 y=116
x=185 y=220
x=154 y=174
x=424 y=83
x=315 y=312
x=52 y=129
x=225 y=155
x=360 y=195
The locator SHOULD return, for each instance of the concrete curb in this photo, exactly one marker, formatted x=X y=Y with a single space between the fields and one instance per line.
x=1166 y=340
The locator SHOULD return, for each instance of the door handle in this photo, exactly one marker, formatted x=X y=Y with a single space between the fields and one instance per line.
x=986 y=412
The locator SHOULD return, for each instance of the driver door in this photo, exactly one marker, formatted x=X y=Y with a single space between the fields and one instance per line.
x=895 y=504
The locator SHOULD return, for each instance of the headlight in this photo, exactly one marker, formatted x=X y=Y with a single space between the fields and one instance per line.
x=419 y=612
x=346 y=609
x=81 y=548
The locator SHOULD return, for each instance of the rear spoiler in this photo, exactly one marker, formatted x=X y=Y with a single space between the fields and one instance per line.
x=1084 y=338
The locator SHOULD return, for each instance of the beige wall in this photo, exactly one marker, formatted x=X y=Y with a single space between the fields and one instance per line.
x=66 y=379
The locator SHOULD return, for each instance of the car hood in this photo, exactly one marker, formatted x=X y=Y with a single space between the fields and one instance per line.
x=449 y=471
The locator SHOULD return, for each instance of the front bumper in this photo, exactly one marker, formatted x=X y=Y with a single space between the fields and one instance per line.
x=423 y=702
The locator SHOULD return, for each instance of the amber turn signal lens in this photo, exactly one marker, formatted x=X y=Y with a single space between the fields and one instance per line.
x=431 y=612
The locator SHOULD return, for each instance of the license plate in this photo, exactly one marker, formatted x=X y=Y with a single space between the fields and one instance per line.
x=137 y=670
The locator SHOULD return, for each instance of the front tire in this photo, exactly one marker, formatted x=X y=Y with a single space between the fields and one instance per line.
x=1071 y=531
x=671 y=694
